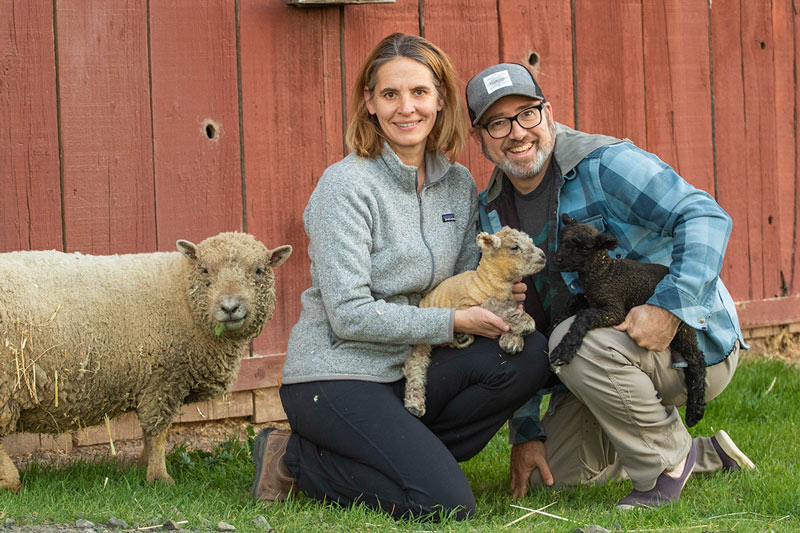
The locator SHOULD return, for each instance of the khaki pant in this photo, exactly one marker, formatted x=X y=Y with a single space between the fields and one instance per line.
x=620 y=417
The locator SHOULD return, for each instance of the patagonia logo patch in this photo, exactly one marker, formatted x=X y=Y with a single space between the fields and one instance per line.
x=448 y=217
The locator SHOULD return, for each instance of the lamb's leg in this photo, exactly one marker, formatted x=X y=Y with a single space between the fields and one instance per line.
x=694 y=374
x=585 y=321
x=415 y=369
x=9 y=475
x=520 y=324
x=155 y=445
x=462 y=340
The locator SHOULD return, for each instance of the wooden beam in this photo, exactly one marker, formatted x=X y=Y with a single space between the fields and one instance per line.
x=259 y=372
x=769 y=312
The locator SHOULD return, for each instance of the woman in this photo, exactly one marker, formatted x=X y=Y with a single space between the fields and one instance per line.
x=386 y=224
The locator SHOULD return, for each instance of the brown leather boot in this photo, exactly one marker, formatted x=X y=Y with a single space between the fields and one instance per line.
x=273 y=481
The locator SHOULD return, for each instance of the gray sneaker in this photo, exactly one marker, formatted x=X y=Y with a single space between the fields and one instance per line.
x=667 y=490
x=273 y=481
x=732 y=457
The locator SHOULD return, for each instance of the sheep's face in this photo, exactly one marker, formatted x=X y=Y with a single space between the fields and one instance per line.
x=231 y=283
x=579 y=245
x=511 y=252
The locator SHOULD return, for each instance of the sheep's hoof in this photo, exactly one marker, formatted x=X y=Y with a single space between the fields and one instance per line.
x=694 y=415
x=417 y=411
x=513 y=345
x=462 y=340
x=10 y=484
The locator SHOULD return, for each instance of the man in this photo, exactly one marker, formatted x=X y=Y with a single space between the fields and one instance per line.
x=619 y=416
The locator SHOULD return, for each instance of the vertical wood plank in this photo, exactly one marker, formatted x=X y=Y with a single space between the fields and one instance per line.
x=678 y=88
x=30 y=201
x=786 y=40
x=609 y=69
x=105 y=126
x=538 y=34
x=794 y=219
x=729 y=117
x=195 y=119
x=292 y=132
x=760 y=146
x=469 y=56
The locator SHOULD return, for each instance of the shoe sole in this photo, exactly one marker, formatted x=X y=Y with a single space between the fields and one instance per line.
x=729 y=447
x=259 y=446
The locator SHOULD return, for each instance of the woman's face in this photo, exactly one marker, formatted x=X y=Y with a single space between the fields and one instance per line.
x=406 y=103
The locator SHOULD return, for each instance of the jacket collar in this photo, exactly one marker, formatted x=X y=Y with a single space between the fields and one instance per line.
x=436 y=167
x=571 y=148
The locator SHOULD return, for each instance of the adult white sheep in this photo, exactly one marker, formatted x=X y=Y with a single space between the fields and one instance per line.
x=83 y=337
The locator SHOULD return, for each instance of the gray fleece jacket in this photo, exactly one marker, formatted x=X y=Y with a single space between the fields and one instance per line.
x=376 y=247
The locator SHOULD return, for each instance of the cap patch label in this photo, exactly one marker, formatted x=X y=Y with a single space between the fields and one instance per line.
x=449 y=217
x=496 y=81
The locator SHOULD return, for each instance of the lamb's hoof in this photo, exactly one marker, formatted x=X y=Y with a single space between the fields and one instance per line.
x=462 y=340
x=693 y=416
x=418 y=412
x=512 y=346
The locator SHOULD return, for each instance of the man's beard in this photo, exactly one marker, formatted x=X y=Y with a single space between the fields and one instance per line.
x=531 y=168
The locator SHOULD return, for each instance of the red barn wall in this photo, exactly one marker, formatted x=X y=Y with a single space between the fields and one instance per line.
x=128 y=125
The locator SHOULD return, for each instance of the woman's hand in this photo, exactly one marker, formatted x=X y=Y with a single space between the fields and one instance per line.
x=479 y=321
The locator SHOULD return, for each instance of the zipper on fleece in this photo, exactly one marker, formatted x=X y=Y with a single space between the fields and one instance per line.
x=429 y=286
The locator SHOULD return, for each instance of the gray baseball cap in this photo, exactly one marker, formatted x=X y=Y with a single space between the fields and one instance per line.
x=497 y=81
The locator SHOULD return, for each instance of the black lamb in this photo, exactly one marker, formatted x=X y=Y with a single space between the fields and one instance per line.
x=612 y=287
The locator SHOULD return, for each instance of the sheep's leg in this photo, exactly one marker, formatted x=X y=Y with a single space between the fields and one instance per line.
x=9 y=475
x=415 y=369
x=685 y=343
x=462 y=340
x=585 y=321
x=520 y=324
x=155 y=446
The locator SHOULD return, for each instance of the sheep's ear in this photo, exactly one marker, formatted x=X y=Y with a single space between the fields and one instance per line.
x=279 y=255
x=606 y=241
x=187 y=248
x=567 y=220
x=487 y=241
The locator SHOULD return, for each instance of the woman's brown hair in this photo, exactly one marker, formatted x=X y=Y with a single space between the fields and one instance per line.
x=364 y=135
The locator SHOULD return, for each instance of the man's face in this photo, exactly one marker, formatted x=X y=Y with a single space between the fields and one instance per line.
x=523 y=154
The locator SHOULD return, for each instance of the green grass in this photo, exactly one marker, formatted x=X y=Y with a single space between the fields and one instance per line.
x=213 y=487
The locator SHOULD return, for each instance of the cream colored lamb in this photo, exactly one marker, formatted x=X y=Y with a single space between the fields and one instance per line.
x=84 y=337
x=505 y=256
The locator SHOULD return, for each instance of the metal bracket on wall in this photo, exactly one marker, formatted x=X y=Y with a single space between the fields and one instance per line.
x=322 y=3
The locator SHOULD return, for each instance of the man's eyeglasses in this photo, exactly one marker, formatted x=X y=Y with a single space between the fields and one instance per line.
x=528 y=118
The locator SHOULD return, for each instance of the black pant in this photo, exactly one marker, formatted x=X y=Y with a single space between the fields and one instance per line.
x=353 y=441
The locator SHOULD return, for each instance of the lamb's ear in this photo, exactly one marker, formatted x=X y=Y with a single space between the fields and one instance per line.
x=488 y=241
x=606 y=241
x=279 y=255
x=187 y=248
x=567 y=220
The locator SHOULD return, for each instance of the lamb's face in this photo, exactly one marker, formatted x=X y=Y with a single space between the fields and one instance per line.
x=576 y=247
x=511 y=252
x=232 y=283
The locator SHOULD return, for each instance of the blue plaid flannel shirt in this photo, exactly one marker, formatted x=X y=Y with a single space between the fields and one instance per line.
x=657 y=217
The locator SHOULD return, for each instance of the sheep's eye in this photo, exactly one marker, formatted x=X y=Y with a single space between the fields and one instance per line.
x=203 y=269
x=515 y=247
x=259 y=271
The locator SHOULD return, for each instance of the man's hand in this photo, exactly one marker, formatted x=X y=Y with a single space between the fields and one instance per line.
x=518 y=290
x=650 y=326
x=525 y=458
x=479 y=321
